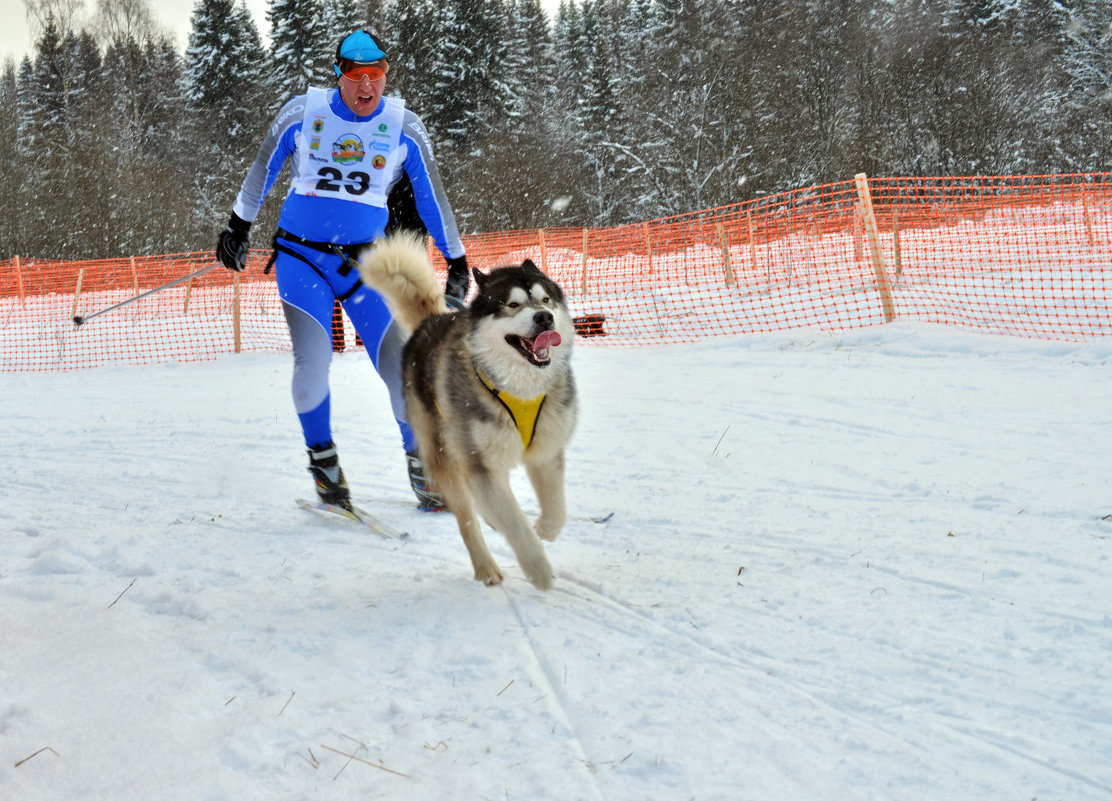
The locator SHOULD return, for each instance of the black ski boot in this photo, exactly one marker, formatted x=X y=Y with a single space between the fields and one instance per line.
x=324 y=466
x=427 y=498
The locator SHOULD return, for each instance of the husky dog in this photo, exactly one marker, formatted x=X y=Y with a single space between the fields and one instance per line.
x=487 y=388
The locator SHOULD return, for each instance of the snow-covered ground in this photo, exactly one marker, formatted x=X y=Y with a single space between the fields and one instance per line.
x=871 y=565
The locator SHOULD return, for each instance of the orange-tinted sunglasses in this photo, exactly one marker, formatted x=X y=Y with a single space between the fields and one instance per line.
x=355 y=71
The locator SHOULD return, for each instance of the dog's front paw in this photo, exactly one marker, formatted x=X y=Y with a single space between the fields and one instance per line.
x=539 y=571
x=543 y=581
x=547 y=531
x=489 y=574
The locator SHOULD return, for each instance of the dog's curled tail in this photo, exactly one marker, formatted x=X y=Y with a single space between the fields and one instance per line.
x=398 y=268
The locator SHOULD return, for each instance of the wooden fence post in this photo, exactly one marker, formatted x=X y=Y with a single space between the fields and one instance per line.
x=872 y=235
x=188 y=292
x=135 y=286
x=753 y=242
x=236 y=335
x=858 y=232
x=544 y=251
x=896 y=257
x=725 y=254
x=1088 y=215
x=648 y=245
x=77 y=291
x=583 y=282
x=19 y=282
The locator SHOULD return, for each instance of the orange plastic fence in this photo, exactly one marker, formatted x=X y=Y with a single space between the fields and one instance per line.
x=1027 y=256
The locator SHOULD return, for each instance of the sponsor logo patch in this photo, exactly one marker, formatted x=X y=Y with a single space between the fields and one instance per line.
x=348 y=149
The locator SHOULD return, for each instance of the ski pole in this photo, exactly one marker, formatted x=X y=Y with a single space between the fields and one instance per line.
x=79 y=320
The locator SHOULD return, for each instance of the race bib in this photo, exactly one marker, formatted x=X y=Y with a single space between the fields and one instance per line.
x=347 y=160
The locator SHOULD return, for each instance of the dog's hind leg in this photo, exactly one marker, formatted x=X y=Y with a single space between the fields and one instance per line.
x=548 y=482
x=459 y=503
x=498 y=506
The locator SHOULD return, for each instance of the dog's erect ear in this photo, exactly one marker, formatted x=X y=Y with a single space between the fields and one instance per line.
x=480 y=276
x=535 y=273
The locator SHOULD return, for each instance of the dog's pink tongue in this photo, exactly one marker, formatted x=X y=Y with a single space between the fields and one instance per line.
x=546 y=340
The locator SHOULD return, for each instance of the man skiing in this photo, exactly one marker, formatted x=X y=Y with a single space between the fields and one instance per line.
x=348 y=147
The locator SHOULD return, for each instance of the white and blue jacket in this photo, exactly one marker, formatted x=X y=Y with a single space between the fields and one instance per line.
x=348 y=169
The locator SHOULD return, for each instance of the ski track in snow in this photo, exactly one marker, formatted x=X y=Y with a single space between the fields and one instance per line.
x=863 y=566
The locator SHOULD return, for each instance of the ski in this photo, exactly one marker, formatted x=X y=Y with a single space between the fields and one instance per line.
x=356 y=515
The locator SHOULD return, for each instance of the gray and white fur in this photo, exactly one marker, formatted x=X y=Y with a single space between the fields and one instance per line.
x=487 y=388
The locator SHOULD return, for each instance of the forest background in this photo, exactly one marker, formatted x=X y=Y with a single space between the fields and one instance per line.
x=115 y=143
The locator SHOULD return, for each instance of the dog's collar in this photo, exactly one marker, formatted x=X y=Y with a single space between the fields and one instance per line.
x=523 y=411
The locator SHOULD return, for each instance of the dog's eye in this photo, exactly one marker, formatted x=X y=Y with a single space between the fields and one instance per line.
x=513 y=304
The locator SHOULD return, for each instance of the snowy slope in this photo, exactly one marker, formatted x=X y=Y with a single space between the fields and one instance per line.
x=865 y=566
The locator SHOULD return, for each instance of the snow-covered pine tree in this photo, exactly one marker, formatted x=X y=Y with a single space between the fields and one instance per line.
x=418 y=29
x=11 y=181
x=697 y=64
x=227 y=95
x=49 y=89
x=144 y=122
x=600 y=63
x=573 y=51
x=572 y=60
x=137 y=99
x=339 y=18
x=469 y=98
x=646 y=70
x=529 y=61
x=226 y=73
x=537 y=139
x=524 y=163
x=162 y=104
x=601 y=145
x=122 y=64
x=91 y=152
x=1037 y=45
x=299 y=46
x=376 y=20
x=45 y=140
x=169 y=156
x=26 y=226
x=1088 y=65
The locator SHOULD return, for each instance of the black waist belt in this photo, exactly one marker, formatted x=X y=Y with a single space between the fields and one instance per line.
x=345 y=252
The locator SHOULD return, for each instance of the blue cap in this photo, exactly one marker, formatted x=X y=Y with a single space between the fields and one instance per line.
x=360 y=47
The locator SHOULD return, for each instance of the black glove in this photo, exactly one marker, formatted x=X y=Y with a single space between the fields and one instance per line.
x=233 y=243
x=459 y=281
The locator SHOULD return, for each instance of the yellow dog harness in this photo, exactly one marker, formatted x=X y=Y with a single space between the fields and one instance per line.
x=523 y=411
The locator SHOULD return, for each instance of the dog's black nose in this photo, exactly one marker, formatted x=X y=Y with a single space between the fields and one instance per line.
x=543 y=319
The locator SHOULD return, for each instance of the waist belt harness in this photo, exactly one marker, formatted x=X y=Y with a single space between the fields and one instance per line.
x=345 y=252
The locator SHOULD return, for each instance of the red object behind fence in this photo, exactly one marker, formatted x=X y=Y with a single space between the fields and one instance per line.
x=1026 y=256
